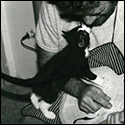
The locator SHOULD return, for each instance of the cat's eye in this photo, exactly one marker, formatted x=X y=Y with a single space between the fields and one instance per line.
x=81 y=44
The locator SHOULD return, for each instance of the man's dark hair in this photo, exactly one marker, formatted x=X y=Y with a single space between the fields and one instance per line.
x=79 y=8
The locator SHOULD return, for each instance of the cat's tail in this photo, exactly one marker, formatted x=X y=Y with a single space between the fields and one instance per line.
x=16 y=81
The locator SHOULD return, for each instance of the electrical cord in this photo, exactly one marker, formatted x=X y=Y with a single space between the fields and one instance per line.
x=28 y=36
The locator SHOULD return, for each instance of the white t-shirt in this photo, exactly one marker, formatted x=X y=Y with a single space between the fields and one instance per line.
x=50 y=26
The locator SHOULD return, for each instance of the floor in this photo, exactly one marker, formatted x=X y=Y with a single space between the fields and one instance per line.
x=11 y=103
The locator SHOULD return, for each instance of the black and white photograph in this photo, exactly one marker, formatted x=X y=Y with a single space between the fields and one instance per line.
x=62 y=62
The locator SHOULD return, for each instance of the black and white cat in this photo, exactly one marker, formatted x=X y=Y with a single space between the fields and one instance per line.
x=71 y=62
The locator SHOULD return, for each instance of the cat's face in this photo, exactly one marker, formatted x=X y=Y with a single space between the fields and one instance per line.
x=78 y=39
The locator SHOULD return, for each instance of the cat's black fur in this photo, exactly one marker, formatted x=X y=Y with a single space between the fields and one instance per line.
x=68 y=63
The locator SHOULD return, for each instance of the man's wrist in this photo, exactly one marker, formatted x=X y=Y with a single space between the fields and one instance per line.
x=75 y=87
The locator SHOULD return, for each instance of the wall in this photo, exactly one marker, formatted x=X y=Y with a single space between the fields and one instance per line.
x=16 y=19
x=3 y=62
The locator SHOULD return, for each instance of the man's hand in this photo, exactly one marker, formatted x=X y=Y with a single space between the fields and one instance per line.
x=116 y=118
x=92 y=99
x=121 y=116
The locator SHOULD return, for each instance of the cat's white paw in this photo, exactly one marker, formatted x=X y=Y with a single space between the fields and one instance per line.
x=35 y=100
x=44 y=107
x=49 y=115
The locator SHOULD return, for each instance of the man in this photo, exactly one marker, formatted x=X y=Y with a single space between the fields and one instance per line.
x=50 y=41
x=56 y=16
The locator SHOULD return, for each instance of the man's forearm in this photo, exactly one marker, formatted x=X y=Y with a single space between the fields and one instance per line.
x=74 y=87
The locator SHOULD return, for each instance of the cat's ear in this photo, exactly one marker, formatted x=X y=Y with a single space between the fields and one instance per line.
x=66 y=36
x=69 y=37
x=64 y=33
